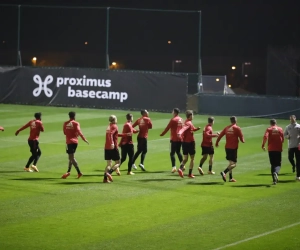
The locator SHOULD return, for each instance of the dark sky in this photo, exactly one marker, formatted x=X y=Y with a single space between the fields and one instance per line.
x=228 y=28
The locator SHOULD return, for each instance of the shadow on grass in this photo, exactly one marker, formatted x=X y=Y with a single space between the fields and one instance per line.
x=149 y=180
x=78 y=182
x=11 y=171
x=252 y=185
x=34 y=179
x=205 y=183
x=280 y=174
x=286 y=181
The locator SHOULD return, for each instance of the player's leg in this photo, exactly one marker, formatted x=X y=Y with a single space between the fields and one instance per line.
x=291 y=153
x=172 y=156
x=144 y=152
x=138 y=152
x=37 y=155
x=191 y=166
x=130 y=153
x=31 y=158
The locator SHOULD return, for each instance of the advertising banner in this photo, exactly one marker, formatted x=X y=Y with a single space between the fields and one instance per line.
x=93 y=88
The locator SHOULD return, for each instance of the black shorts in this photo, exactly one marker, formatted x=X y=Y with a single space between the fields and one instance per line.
x=71 y=148
x=275 y=158
x=33 y=145
x=175 y=146
x=188 y=148
x=111 y=154
x=231 y=154
x=207 y=150
x=142 y=144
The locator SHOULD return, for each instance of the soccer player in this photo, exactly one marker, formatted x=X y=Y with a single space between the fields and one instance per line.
x=188 y=143
x=275 y=138
x=233 y=134
x=126 y=144
x=36 y=126
x=71 y=129
x=144 y=124
x=111 y=151
x=292 y=133
x=1 y=128
x=207 y=146
x=175 y=124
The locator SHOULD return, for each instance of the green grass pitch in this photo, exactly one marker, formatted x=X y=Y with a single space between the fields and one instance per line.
x=150 y=210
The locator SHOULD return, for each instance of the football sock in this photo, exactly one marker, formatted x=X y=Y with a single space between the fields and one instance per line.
x=200 y=165
x=226 y=171
x=230 y=176
x=181 y=166
x=209 y=167
x=190 y=171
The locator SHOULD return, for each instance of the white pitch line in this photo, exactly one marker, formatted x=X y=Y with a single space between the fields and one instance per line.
x=258 y=236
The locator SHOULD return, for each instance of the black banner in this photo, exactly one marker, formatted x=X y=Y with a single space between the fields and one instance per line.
x=93 y=88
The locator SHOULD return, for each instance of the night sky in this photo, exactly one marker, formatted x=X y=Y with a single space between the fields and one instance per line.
x=241 y=30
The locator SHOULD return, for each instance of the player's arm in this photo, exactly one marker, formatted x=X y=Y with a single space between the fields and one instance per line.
x=22 y=128
x=42 y=129
x=184 y=128
x=240 y=135
x=220 y=137
x=78 y=131
x=135 y=123
x=281 y=136
x=193 y=128
x=149 y=124
x=265 y=138
x=167 y=128
x=286 y=133
x=126 y=131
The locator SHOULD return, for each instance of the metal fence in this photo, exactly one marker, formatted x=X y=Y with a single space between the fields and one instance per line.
x=101 y=37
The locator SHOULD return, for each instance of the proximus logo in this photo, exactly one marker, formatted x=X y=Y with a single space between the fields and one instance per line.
x=42 y=85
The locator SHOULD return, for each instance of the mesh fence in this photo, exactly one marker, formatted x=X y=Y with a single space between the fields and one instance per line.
x=134 y=39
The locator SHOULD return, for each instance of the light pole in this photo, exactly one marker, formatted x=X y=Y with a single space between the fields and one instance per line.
x=173 y=64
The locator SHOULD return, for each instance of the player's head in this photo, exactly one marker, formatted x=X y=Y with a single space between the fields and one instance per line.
x=38 y=116
x=233 y=119
x=144 y=112
x=273 y=122
x=72 y=114
x=293 y=119
x=129 y=117
x=189 y=114
x=211 y=120
x=176 y=111
x=112 y=119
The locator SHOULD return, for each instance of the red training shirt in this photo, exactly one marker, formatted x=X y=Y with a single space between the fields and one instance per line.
x=187 y=131
x=175 y=124
x=144 y=125
x=36 y=126
x=207 y=136
x=72 y=130
x=274 y=135
x=127 y=128
x=233 y=134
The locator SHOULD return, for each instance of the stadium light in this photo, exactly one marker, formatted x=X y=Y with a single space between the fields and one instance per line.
x=233 y=67
x=173 y=64
x=86 y=43
x=217 y=79
x=114 y=63
x=34 y=59
x=169 y=42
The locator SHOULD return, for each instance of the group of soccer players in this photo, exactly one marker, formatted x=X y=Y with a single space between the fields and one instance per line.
x=181 y=139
